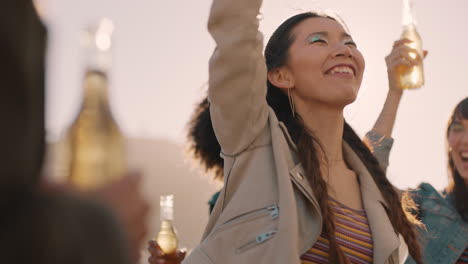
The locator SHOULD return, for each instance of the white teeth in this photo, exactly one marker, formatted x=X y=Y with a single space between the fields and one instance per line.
x=464 y=155
x=342 y=69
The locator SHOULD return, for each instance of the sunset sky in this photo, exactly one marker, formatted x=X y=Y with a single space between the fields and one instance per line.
x=161 y=68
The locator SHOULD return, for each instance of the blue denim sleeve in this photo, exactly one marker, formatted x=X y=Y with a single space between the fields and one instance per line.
x=380 y=146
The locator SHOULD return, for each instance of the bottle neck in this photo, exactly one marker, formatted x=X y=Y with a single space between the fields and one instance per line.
x=408 y=17
x=96 y=43
x=167 y=225
x=166 y=213
x=409 y=29
x=95 y=90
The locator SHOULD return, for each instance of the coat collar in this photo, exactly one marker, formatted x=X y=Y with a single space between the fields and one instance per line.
x=368 y=186
x=385 y=237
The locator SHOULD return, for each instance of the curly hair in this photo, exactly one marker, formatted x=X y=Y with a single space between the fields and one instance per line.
x=202 y=142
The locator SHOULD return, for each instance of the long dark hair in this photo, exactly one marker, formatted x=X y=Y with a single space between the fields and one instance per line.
x=458 y=187
x=276 y=55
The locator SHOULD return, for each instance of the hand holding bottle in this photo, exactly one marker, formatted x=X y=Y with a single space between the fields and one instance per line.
x=159 y=257
x=165 y=248
x=409 y=68
x=401 y=56
x=125 y=199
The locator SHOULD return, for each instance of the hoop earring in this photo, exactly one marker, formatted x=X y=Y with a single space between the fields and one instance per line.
x=291 y=103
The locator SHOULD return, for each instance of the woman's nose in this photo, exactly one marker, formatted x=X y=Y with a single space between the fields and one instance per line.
x=343 y=50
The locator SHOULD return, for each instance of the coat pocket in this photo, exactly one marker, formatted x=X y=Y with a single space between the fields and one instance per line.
x=271 y=211
x=241 y=233
x=258 y=240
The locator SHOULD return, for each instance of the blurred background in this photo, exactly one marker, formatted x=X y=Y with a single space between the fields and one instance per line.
x=160 y=70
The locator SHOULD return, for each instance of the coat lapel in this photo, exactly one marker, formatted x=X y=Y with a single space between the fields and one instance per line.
x=385 y=237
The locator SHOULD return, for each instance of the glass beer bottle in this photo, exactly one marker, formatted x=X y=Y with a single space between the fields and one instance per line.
x=166 y=237
x=411 y=77
x=94 y=147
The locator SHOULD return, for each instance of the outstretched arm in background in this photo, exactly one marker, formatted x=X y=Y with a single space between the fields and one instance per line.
x=379 y=139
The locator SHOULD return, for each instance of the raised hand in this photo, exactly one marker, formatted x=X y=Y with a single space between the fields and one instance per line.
x=125 y=199
x=401 y=56
x=159 y=257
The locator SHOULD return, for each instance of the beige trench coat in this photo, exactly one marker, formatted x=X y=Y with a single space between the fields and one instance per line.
x=266 y=213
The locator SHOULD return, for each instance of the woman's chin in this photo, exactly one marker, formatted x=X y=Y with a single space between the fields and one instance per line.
x=346 y=96
x=344 y=101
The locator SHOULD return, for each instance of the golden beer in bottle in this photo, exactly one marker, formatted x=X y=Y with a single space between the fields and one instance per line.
x=411 y=77
x=94 y=147
x=167 y=237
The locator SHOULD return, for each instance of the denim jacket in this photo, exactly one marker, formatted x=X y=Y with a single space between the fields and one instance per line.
x=446 y=235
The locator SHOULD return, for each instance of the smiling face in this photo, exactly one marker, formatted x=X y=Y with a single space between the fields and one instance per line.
x=458 y=145
x=324 y=65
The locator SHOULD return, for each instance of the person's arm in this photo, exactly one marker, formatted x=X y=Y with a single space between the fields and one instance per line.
x=237 y=70
x=399 y=56
x=379 y=139
x=123 y=198
x=386 y=120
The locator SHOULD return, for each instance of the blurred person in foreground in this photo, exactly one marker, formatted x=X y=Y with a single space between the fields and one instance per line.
x=44 y=222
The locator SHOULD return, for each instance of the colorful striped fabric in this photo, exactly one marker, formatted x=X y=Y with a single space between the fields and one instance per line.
x=463 y=258
x=353 y=236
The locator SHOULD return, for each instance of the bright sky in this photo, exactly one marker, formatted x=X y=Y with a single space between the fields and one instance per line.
x=161 y=68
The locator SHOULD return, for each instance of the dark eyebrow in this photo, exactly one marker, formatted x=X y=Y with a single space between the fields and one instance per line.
x=346 y=35
x=325 y=34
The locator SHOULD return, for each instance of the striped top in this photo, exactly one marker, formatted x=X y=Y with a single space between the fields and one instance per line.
x=353 y=236
x=464 y=257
